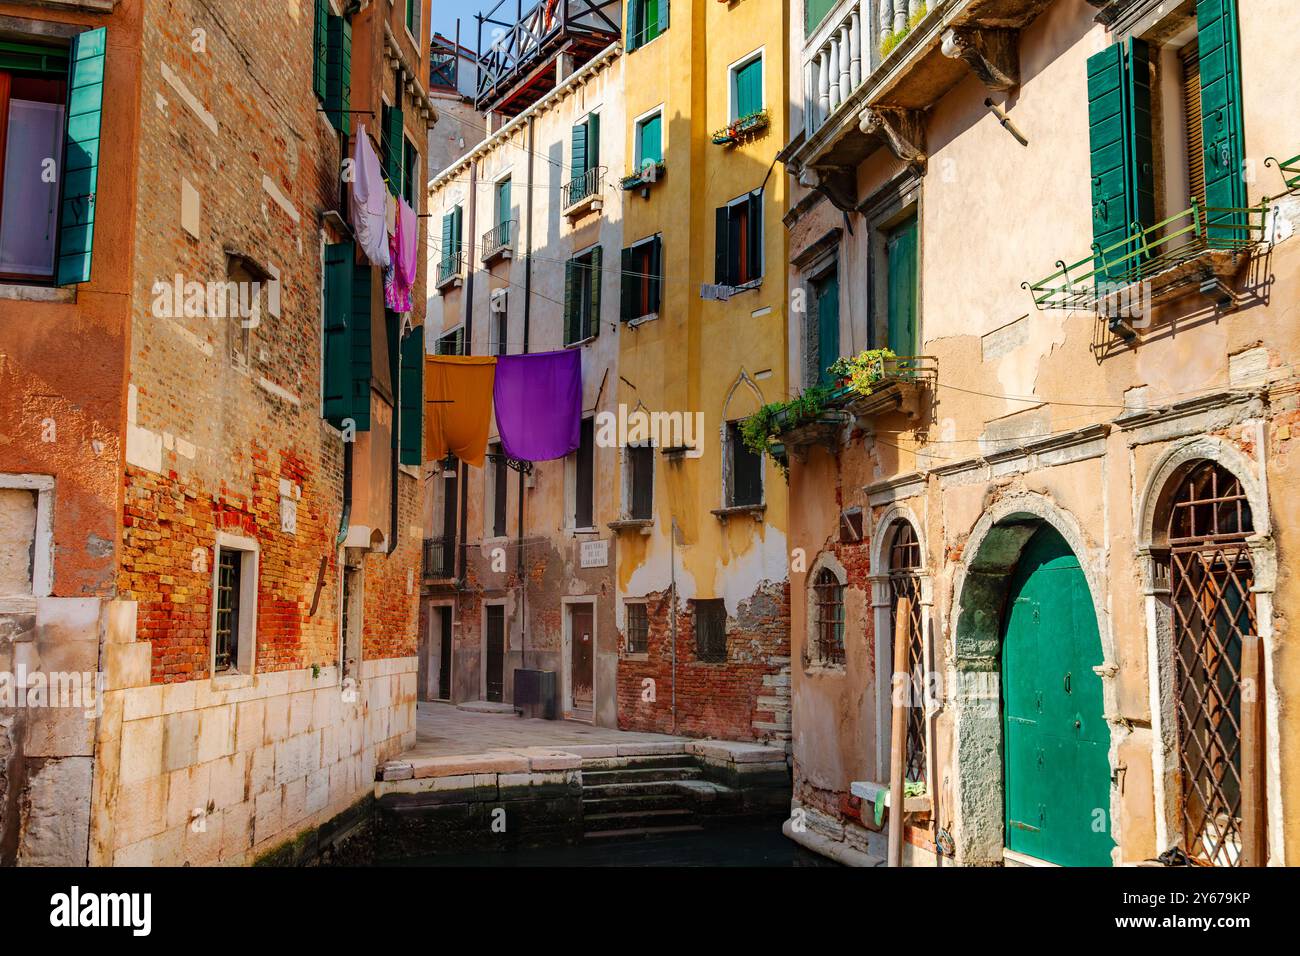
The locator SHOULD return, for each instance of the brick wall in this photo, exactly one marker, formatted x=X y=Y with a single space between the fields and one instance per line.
x=745 y=698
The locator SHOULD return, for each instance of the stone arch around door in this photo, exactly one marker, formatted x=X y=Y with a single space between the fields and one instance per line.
x=980 y=588
x=1162 y=482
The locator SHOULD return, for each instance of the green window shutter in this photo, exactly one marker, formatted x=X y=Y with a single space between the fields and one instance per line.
x=663 y=15
x=722 y=247
x=754 y=243
x=749 y=89
x=656 y=272
x=359 y=395
x=652 y=149
x=1119 y=121
x=593 y=141
x=1222 y=125
x=320 y=47
x=444 y=249
x=16 y=56
x=504 y=208
x=412 y=405
x=338 y=74
x=457 y=220
x=630 y=286
x=815 y=12
x=410 y=171
x=413 y=18
x=828 y=326
x=578 y=156
x=81 y=156
x=570 y=303
x=337 y=361
x=594 y=276
x=633 y=31
x=903 y=286
x=393 y=130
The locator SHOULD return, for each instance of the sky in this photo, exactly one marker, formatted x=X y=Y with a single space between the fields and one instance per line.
x=445 y=13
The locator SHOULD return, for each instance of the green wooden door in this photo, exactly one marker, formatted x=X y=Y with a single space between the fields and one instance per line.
x=903 y=287
x=1055 y=739
x=828 y=325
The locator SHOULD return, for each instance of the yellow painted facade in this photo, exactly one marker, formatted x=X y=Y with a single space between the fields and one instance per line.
x=720 y=358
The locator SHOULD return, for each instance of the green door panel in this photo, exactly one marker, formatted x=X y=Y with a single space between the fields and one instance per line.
x=903 y=287
x=1055 y=737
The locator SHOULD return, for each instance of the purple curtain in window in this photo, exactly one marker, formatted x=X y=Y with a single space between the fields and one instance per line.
x=538 y=401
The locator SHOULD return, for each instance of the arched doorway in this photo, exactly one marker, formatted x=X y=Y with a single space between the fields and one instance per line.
x=1055 y=737
x=905 y=582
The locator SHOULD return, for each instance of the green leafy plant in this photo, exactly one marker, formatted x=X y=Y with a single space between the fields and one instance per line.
x=864 y=370
x=891 y=42
x=738 y=129
x=759 y=430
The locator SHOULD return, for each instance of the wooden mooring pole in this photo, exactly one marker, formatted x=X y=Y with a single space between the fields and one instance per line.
x=898 y=738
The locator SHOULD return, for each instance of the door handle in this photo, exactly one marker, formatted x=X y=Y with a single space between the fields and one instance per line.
x=1067 y=683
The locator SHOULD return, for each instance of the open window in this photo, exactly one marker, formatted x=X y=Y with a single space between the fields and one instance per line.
x=646 y=20
x=234 y=606
x=738 y=248
x=642 y=279
x=582 y=277
x=580 y=471
x=743 y=471
x=51 y=100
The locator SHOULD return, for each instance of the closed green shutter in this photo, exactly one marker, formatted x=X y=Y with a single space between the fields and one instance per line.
x=337 y=361
x=749 y=89
x=445 y=252
x=570 y=301
x=320 y=47
x=903 y=286
x=1119 y=121
x=412 y=405
x=81 y=156
x=1222 y=125
x=631 y=286
x=362 y=353
x=594 y=276
x=504 y=207
x=578 y=157
x=828 y=326
x=815 y=12
x=338 y=70
x=722 y=247
x=394 y=139
x=656 y=273
x=652 y=149
x=457 y=241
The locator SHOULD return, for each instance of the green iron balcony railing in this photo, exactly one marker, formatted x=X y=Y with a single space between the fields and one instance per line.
x=1290 y=170
x=499 y=239
x=451 y=267
x=1144 y=253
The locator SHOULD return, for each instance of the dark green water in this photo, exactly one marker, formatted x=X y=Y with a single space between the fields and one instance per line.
x=761 y=846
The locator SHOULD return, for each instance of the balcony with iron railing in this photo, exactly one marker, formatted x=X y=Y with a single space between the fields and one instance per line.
x=583 y=193
x=498 y=242
x=451 y=271
x=440 y=558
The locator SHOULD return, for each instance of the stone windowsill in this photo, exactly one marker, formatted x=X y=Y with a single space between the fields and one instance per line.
x=732 y=511
x=643 y=524
x=38 y=293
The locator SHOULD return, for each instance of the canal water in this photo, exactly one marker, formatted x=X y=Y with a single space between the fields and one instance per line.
x=754 y=846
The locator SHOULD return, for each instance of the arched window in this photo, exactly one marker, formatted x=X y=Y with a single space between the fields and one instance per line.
x=905 y=582
x=829 y=622
x=1219 y=721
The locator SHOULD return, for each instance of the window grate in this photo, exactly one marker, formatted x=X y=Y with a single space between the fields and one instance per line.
x=638 y=629
x=904 y=582
x=1211 y=579
x=227 y=631
x=711 y=631
x=829 y=597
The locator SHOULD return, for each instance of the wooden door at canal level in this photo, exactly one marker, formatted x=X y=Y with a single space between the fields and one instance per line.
x=582 y=620
x=1055 y=739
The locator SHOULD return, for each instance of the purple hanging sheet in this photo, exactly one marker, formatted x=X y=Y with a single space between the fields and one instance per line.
x=538 y=400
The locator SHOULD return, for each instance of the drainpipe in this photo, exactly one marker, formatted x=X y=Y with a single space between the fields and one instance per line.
x=469 y=350
x=672 y=565
x=346 y=517
x=528 y=302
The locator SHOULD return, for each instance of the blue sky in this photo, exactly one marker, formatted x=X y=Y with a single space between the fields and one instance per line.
x=445 y=13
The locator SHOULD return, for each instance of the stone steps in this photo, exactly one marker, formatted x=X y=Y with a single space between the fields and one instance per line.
x=593 y=778
x=638 y=796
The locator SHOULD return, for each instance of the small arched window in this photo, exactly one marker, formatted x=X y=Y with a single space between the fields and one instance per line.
x=829 y=624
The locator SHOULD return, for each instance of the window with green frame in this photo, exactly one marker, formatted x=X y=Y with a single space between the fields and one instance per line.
x=338 y=72
x=650 y=141
x=747 y=88
x=582 y=277
x=646 y=20
x=413 y=18
x=51 y=100
x=410 y=171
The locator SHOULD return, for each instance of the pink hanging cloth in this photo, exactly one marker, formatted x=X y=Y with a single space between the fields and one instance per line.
x=404 y=246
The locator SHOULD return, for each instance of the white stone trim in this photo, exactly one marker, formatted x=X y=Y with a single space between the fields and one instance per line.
x=43 y=534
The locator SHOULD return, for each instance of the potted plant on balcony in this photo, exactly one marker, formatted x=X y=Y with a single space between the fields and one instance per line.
x=742 y=129
x=891 y=41
x=647 y=175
